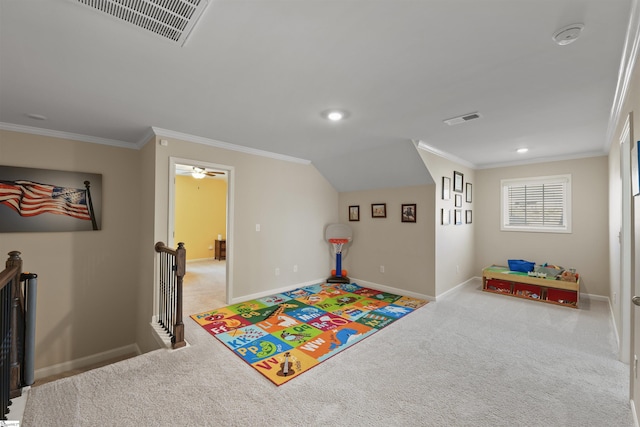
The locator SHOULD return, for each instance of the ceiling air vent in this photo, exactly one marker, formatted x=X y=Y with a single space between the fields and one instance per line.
x=171 y=19
x=462 y=119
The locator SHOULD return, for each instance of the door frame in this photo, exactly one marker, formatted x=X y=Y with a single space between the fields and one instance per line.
x=626 y=248
x=627 y=139
x=230 y=170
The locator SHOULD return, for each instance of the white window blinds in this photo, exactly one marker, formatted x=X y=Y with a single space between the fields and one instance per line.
x=537 y=204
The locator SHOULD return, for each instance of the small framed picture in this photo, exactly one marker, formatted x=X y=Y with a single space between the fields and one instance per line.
x=468 y=193
x=378 y=210
x=409 y=213
x=446 y=188
x=467 y=216
x=458 y=200
x=458 y=180
x=458 y=216
x=354 y=213
x=446 y=216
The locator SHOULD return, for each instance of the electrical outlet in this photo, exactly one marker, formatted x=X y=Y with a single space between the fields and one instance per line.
x=257 y=227
x=457 y=269
x=295 y=268
x=382 y=269
x=615 y=298
x=277 y=271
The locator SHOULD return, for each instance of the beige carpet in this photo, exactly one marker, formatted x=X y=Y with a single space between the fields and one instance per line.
x=203 y=289
x=204 y=286
x=469 y=359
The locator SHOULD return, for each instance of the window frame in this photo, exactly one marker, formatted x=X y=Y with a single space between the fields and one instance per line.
x=565 y=180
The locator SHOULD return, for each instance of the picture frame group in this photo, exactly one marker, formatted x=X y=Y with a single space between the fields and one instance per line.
x=462 y=193
x=408 y=212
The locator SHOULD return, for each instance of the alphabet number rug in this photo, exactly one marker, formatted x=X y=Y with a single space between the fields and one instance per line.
x=286 y=334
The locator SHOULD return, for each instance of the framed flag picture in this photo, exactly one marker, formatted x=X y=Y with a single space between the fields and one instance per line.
x=41 y=200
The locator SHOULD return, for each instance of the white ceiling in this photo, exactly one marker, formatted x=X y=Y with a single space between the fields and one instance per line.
x=258 y=73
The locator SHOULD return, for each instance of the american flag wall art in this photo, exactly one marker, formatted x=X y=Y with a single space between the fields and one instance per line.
x=46 y=200
x=31 y=198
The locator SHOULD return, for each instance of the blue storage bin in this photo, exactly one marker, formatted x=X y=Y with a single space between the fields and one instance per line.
x=521 y=265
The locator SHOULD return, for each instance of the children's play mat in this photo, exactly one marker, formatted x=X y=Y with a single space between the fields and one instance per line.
x=286 y=334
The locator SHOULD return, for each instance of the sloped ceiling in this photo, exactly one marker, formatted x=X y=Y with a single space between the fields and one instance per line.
x=259 y=73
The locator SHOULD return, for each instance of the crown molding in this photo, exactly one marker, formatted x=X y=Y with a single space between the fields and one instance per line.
x=148 y=136
x=537 y=160
x=65 y=135
x=225 y=145
x=627 y=64
x=151 y=133
x=426 y=147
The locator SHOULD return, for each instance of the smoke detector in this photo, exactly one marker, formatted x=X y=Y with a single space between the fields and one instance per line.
x=462 y=119
x=568 y=34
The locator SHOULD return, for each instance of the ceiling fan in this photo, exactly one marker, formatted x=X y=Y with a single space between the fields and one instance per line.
x=199 y=173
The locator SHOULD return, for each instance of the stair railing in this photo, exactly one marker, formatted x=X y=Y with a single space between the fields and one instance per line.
x=17 y=330
x=172 y=268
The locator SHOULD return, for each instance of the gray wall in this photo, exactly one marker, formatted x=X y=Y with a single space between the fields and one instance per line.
x=454 y=244
x=292 y=202
x=88 y=280
x=96 y=289
x=406 y=250
x=585 y=248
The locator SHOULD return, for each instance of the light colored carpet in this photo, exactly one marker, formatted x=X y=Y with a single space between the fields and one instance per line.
x=469 y=359
x=204 y=286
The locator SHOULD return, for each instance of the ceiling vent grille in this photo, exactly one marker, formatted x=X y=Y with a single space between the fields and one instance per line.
x=462 y=119
x=171 y=19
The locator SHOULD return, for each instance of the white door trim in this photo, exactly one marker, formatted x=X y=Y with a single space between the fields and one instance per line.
x=173 y=161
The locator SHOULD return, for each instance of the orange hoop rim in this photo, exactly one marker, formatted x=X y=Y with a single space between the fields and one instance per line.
x=343 y=241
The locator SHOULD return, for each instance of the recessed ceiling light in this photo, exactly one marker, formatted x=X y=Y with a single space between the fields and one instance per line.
x=335 y=115
x=522 y=150
x=36 y=116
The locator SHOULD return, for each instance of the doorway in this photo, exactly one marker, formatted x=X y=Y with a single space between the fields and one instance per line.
x=200 y=206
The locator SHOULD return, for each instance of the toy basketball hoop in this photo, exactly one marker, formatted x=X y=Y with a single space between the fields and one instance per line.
x=337 y=244
x=338 y=235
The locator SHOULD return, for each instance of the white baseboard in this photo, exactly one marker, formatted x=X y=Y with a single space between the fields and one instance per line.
x=613 y=320
x=86 y=361
x=275 y=291
x=201 y=260
x=634 y=413
x=391 y=289
x=161 y=336
x=456 y=287
x=359 y=282
x=595 y=297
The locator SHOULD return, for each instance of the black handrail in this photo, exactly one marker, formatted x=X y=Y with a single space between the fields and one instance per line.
x=172 y=264
x=15 y=319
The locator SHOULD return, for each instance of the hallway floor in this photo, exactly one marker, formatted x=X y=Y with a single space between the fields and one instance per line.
x=204 y=286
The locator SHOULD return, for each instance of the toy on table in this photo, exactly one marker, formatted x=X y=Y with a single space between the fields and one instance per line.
x=569 y=276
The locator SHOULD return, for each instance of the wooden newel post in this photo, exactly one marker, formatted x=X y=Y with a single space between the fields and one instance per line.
x=15 y=382
x=181 y=261
x=159 y=246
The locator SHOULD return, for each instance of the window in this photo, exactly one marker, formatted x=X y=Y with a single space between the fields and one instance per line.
x=540 y=204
